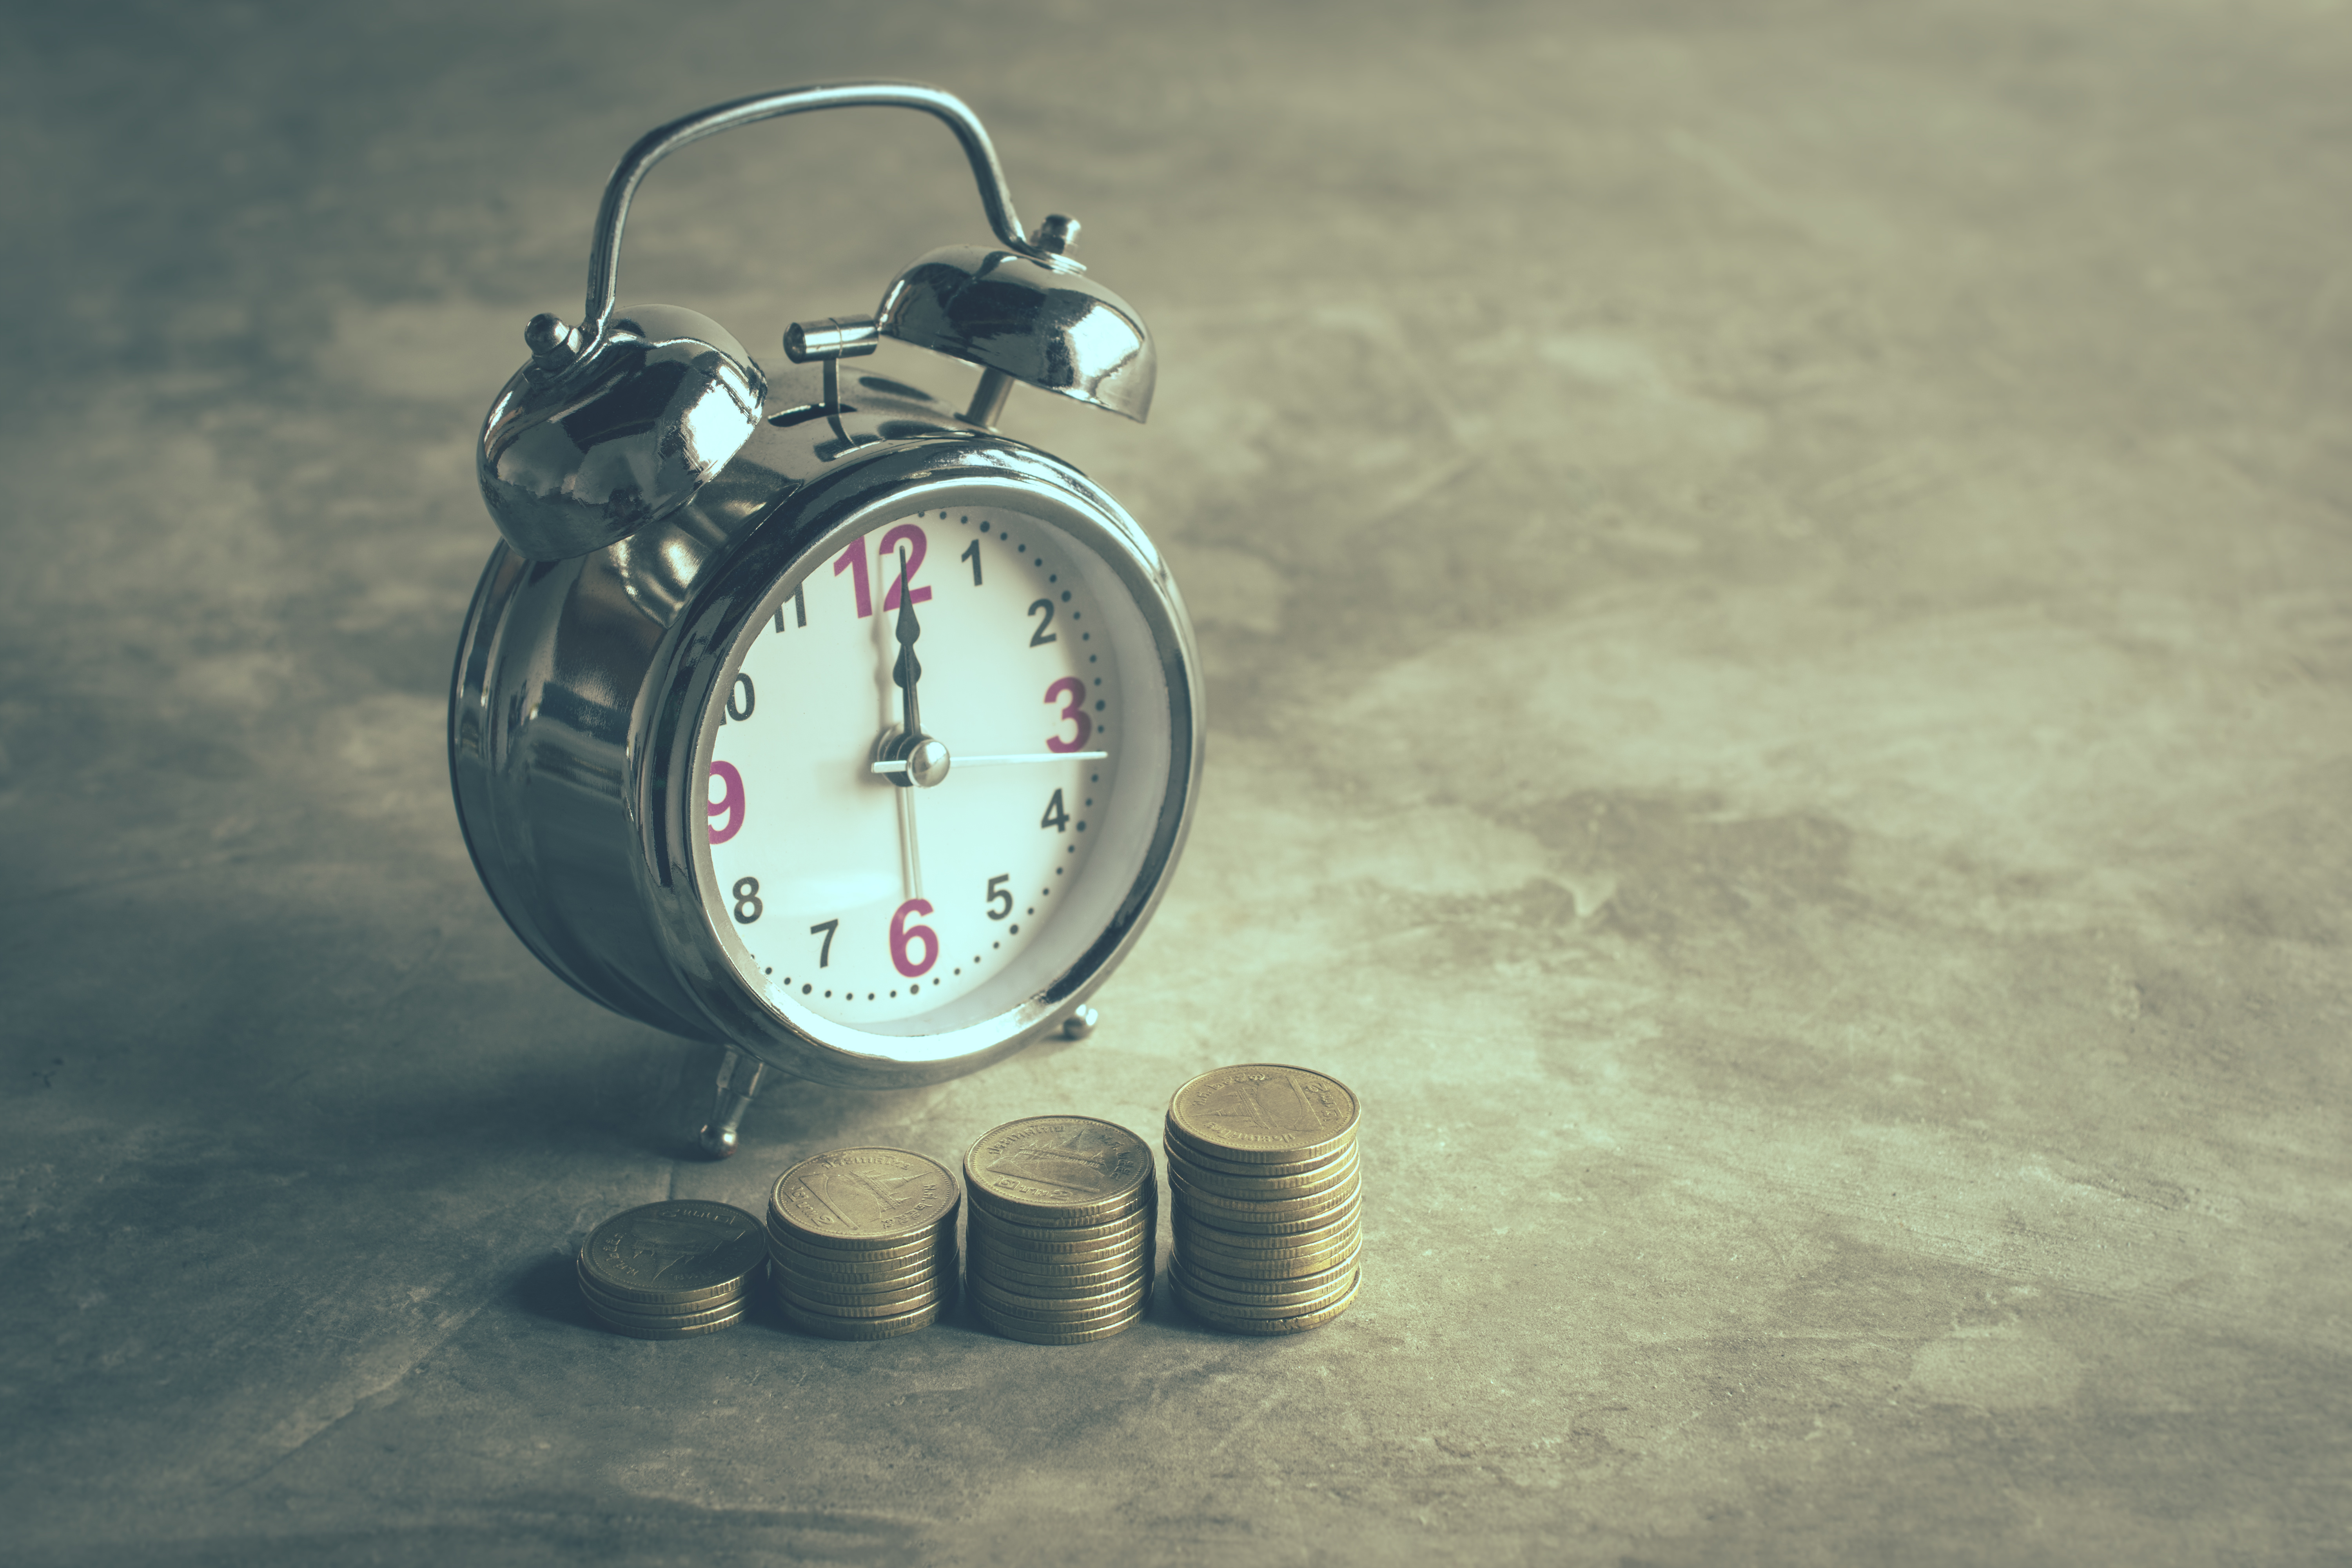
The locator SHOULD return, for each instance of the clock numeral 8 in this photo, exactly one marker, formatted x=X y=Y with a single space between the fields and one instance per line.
x=748 y=906
x=904 y=936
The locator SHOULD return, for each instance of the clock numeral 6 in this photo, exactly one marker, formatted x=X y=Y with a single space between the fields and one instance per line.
x=748 y=906
x=904 y=937
x=999 y=897
x=730 y=803
x=1072 y=711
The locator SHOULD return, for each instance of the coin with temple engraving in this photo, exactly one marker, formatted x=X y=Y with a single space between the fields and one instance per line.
x=670 y=1254
x=1263 y=1113
x=1057 y=1171
x=871 y=1196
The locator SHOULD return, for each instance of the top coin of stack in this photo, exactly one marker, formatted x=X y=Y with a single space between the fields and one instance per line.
x=671 y=1270
x=862 y=1242
x=1265 y=1201
x=1062 y=1228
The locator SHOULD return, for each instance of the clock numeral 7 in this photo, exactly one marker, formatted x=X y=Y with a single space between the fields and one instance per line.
x=824 y=953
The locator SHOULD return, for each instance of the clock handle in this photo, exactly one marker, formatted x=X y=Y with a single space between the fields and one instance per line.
x=739 y=1080
x=604 y=252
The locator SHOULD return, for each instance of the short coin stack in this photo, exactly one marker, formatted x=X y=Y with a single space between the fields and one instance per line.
x=671 y=1270
x=1063 y=1225
x=862 y=1242
x=1263 y=1198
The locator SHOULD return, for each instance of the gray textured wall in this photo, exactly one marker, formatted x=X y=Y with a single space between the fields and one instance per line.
x=1777 y=586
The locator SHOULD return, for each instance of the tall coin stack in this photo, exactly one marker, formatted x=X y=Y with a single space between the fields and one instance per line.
x=671 y=1270
x=1063 y=1225
x=862 y=1242
x=1265 y=1201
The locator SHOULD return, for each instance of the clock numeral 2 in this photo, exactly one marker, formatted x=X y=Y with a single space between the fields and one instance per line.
x=1041 y=636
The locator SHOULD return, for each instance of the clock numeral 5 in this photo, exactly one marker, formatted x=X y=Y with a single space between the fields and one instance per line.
x=999 y=897
x=730 y=803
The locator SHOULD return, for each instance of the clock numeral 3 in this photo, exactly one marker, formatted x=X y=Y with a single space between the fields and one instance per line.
x=730 y=803
x=1074 y=711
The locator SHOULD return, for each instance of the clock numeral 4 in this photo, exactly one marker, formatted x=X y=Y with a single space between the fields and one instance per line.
x=1056 y=817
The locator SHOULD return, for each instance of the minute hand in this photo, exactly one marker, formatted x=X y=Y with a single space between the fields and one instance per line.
x=961 y=762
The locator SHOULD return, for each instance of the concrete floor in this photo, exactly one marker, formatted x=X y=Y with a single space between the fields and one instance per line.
x=1778 y=589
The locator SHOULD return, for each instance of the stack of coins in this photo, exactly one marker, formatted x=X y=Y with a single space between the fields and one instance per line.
x=1063 y=1229
x=669 y=1271
x=862 y=1242
x=1263 y=1199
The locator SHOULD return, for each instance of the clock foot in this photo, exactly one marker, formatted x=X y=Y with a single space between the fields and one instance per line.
x=739 y=1080
x=1080 y=1023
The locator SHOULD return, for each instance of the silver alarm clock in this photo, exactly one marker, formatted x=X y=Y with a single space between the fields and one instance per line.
x=810 y=716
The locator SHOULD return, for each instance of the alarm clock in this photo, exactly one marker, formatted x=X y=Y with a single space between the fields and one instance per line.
x=802 y=713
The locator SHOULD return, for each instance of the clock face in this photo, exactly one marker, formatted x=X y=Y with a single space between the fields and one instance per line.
x=845 y=897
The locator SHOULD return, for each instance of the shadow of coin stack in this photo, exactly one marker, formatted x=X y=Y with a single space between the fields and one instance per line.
x=1263 y=1199
x=1063 y=1225
x=671 y=1270
x=862 y=1243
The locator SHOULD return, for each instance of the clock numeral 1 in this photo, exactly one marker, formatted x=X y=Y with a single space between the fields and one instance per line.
x=972 y=554
x=1056 y=817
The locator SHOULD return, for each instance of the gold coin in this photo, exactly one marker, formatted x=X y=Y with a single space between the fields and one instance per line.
x=1059 y=1317
x=1058 y=1170
x=824 y=1299
x=888 y=1307
x=1178 y=1152
x=1015 y=1295
x=1301 y=1293
x=1227 y=1303
x=834 y=1328
x=1322 y=1222
x=682 y=1250
x=1286 y=1206
x=1075 y=1262
x=1206 y=1310
x=1073 y=1238
x=822 y=1264
x=621 y=1317
x=658 y=1333
x=832 y=1250
x=1191 y=1227
x=1013 y=1273
x=1256 y=1189
x=1264 y=1114
x=597 y=1296
x=1041 y=1334
x=875 y=1196
x=1040 y=1218
x=1268 y=1266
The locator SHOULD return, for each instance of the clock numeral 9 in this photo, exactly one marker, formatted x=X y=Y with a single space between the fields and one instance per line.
x=748 y=906
x=730 y=803
x=903 y=937
x=1074 y=711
